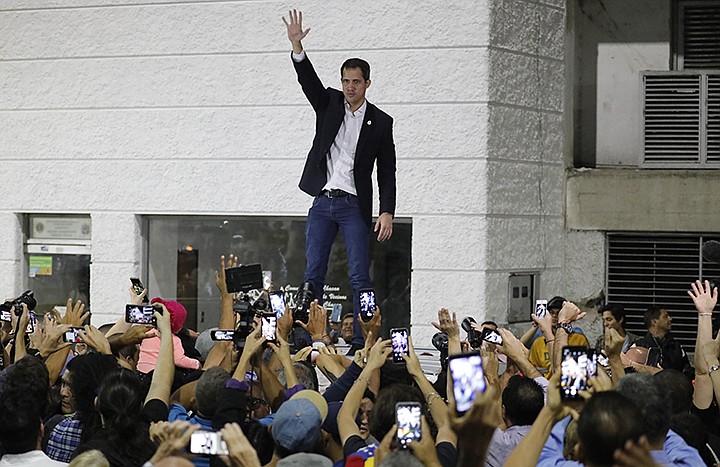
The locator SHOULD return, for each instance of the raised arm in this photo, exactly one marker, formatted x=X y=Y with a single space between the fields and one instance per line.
x=448 y=325
x=162 y=378
x=705 y=300
x=227 y=316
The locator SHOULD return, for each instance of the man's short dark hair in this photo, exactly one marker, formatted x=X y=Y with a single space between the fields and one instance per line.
x=617 y=310
x=357 y=63
x=346 y=316
x=653 y=312
x=523 y=399
x=652 y=399
x=489 y=323
x=382 y=416
x=208 y=390
x=556 y=303
x=680 y=388
x=606 y=423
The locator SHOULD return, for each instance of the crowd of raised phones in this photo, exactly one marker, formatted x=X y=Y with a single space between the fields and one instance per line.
x=283 y=393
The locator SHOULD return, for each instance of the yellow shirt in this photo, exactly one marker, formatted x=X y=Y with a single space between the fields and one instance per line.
x=540 y=356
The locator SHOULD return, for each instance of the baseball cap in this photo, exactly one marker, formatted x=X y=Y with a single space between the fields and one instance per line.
x=298 y=420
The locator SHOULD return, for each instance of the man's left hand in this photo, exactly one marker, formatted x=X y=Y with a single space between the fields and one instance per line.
x=384 y=226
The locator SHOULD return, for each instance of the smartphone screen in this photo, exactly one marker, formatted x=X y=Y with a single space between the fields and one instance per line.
x=602 y=360
x=574 y=372
x=6 y=315
x=468 y=378
x=399 y=337
x=73 y=335
x=277 y=303
x=540 y=308
x=207 y=443
x=31 y=324
x=336 y=313
x=222 y=334
x=592 y=363
x=269 y=326
x=367 y=304
x=408 y=417
x=139 y=314
x=138 y=288
x=494 y=337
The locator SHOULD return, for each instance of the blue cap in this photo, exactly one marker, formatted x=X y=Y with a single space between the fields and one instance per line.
x=297 y=425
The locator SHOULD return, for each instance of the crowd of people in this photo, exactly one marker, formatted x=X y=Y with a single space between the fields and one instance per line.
x=153 y=395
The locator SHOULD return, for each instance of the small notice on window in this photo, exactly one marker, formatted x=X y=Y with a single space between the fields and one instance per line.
x=40 y=266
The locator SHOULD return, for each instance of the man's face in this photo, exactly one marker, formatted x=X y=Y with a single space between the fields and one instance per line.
x=610 y=322
x=66 y=395
x=354 y=86
x=346 y=332
x=554 y=312
x=664 y=321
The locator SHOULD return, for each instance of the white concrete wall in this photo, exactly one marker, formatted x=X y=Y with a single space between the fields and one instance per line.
x=120 y=108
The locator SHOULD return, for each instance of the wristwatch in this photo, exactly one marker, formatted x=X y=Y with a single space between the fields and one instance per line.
x=715 y=367
x=567 y=327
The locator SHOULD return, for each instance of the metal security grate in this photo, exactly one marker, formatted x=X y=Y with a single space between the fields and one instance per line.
x=698 y=40
x=681 y=119
x=713 y=118
x=649 y=269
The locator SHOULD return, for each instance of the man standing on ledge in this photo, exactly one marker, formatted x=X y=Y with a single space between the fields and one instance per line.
x=350 y=135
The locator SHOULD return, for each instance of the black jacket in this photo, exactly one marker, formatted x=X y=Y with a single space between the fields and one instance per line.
x=374 y=143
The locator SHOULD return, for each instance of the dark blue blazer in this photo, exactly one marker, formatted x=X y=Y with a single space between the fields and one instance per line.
x=375 y=143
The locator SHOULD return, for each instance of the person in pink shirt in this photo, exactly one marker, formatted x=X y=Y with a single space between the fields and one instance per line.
x=151 y=346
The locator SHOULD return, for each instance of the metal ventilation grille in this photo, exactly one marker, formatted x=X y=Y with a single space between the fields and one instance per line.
x=713 y=118
x=699 y=35
x=681 y=119
x=646 y=269
x=672 y=118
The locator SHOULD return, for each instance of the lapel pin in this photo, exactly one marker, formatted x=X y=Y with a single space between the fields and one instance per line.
x=369 y=122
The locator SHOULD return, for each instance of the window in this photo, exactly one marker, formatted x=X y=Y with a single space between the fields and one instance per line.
x=657 y=269
x=696 y=42
x=183 y=254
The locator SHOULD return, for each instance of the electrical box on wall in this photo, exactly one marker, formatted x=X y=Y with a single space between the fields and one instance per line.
x=521 y=297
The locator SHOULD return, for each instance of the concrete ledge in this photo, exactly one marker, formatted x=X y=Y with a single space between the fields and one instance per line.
x=643 y=200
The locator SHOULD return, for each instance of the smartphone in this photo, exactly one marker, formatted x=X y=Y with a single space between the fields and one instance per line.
x=399 y=337
x=244 y=278
x=277 y=303
x=540 y=308
x=6 y=315
x=73 y=335
x=269 y=327
x=222 y=334
x=367 y=304
x=140 y=314
x=468 y=377
x=602 y=360
x=488 y=335
x=336 y=313
x=31 y=324
x=592 y=363
x=408 y=417
x=138 y=288
x=574 y=372
x=208 y=443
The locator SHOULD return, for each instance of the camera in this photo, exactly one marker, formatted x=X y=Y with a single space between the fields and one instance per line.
x=303 y=299
x=241 y=280
x=27 y=297
x=474 y=337
x=440 y=342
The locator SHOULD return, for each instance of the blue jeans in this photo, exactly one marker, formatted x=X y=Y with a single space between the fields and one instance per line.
x=325 y=217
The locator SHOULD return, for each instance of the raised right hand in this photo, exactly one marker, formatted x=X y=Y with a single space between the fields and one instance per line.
x=295 y=31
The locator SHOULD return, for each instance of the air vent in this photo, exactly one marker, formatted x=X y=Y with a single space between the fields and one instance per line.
x=648 y=269
x=698 y=36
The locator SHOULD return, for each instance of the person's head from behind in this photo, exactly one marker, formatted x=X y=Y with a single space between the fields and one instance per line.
x=382 y=416
x=81 y=381
x=346 y=328
x=20 y=424
x=92 y=458
x=120 y=399
x=355 y=79
x=208 y=390
x=522 y=401
x=657 y=320
x=654 y=403
x=679 y=387
x=297 y=426
x=29 y=377
x=607 y=422
x=177 y=313
x=613 y=316
x=129 y=356
x=400 y=458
